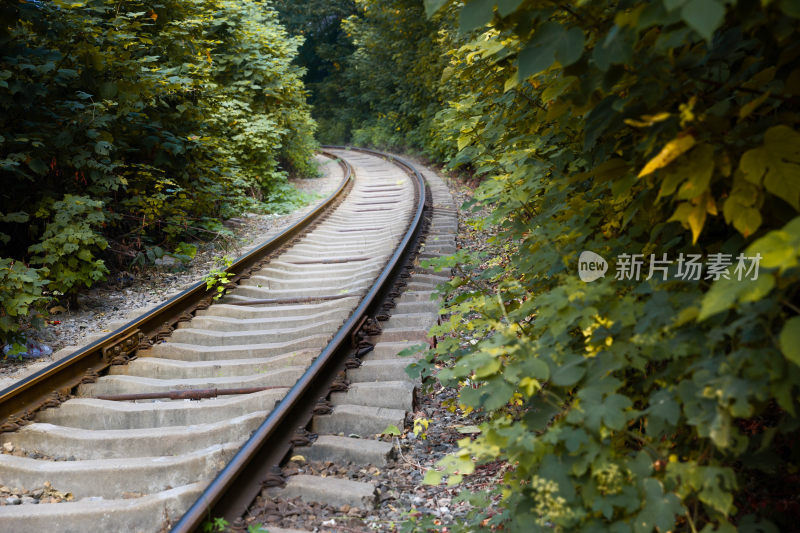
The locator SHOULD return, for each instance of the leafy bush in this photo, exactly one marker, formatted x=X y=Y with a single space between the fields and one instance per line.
x=647 y=128
x=171 y=115
x=68 y=243
x=20 y=297
x=218 y=277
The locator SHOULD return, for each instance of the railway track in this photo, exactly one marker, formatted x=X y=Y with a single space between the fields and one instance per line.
x=183 y=413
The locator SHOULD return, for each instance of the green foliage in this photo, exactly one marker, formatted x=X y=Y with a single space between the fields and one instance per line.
x=215 y=525
x=284 y=198
x=171 y=115
x=184 y=252
x=372 y=70
x=391 y=429
x=620 y=128
x=219 y=277
x=69 y=242
x=20 y=297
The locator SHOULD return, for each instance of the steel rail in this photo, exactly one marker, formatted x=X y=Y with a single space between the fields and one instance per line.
x=236 y=486
x=19 y=401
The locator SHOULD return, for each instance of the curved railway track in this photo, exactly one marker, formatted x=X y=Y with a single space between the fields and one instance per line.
x=219 y=389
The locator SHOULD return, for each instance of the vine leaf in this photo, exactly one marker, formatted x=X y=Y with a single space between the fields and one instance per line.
x=724 y=293
x=432 y=6
x=670 y=152
x=659 y=510
x=475 y=14
x=776 y=163
x=699 y=168
x=703 y=16
x=550 y=42
x=691 y=216
x=506 y=7
x=779 y=248
x=789 y=340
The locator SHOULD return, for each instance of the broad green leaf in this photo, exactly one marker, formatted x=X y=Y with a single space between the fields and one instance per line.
x=540 y=414
x=432 y=6
x=540 y=52
x=475 y=14
x=776 y=164
x=724 y=293
x=568 y=374
x=744 y=218
x=570 y=47
x=432 y=477
x=38 y=166
x=550 y=42
x=790 y=340
x=779 y=248
x=391 y=429
x=615 y=49
x=615 y=408
x=659 y=510
x=690 y=216
x=663 y=410
x=699 y=166
x=703 y=16
x=506 y=7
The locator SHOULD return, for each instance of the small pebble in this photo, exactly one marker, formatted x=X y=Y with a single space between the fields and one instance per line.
x=13 y=500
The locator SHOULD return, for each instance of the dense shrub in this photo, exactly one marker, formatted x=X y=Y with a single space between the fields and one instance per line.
x=164 y=116
x=69 y=243
x=631 y=130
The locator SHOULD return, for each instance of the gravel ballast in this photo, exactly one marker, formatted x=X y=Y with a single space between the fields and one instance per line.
x=401 y=493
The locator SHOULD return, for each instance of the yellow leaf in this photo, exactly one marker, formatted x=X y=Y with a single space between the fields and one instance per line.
x=298 y=459
x=511 y=82
x=752 y=105
x=691 y=216
x=668 y=154
x=645 y=121
x=760 y=79
x=530 y=386
x=711 y=205
x=697 y=218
